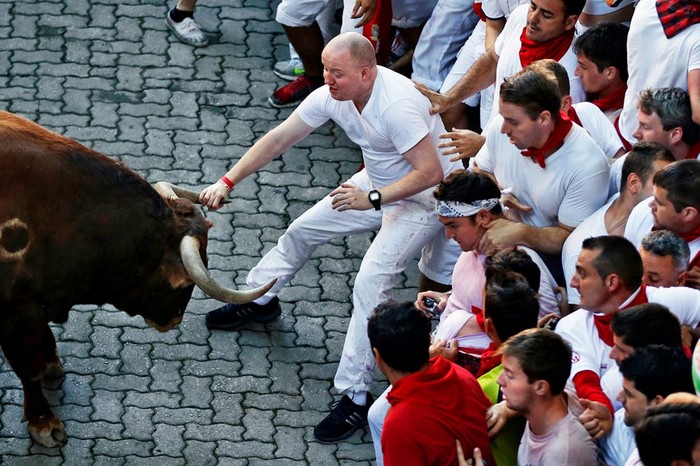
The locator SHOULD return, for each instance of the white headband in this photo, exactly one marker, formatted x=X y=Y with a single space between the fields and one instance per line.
x=464 y=209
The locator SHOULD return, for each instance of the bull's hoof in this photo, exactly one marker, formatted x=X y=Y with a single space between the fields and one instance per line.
x=48 y=432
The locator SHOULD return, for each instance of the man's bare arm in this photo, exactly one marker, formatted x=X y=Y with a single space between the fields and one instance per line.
x=694 y=92
x=270 y=146
x=481 y=75
x=503 y=233
x=427 y=172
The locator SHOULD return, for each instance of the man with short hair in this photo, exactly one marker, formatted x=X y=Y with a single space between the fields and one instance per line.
x=536 y=365
x=665 y=258
x=669 y=435
x=675 y=206
x=540 y=29
x=433 y=401
x=664 y=116
x=663 y=50
x=649 y=374
x=383 y=113
x=633 y=328
x=638 y=170
x=609 y=279
x=601 y=54
x=559 y=178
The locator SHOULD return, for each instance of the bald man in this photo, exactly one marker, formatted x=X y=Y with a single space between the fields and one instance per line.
x=383 y=113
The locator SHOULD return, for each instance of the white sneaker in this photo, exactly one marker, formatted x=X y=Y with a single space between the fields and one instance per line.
x=290 y=69
x=188 y=31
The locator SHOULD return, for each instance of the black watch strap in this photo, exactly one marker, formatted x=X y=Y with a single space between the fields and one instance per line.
x=375 y=198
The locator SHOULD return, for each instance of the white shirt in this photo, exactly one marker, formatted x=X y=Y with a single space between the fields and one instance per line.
x=618 y=445
x=392 y=122
x=599 y=127
x=573 y=185
x=590 y=353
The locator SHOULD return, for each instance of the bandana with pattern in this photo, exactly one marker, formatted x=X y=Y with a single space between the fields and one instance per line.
x=455 y=209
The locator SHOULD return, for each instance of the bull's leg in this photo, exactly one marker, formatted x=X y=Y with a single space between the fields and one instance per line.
x=53 y=375
x=26 y=347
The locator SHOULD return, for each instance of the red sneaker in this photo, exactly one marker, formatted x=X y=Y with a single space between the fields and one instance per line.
x=293 y=93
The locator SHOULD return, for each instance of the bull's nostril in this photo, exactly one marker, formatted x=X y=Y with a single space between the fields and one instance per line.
x=14 y=238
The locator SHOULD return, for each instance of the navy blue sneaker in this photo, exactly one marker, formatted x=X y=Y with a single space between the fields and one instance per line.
x=234 y=316
x=344 y=419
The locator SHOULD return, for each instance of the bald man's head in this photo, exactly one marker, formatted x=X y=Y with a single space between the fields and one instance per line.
x=356 y=45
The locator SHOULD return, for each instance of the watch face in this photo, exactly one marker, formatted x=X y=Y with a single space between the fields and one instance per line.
x=374 y=196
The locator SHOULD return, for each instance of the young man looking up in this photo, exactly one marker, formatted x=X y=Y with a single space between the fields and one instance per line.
x=536 y=365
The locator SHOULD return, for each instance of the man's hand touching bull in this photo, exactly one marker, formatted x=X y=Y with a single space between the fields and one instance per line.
x=213 y=196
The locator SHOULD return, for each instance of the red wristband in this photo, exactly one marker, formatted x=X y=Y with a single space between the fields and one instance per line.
x=229 y=184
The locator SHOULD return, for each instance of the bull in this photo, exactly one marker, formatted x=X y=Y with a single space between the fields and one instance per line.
x=76 y=227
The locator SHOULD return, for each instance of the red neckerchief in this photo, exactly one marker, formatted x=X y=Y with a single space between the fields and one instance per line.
x=691 y=235
x=531 y=51
x=573 y=116
x=556 y=139
x=695 y=262
x=677 y=15
x=490 y=358
x=602 y=322
x=625 y=143
x=694 y=151
x=479 y=11
x=612 y=102
x=479 y=313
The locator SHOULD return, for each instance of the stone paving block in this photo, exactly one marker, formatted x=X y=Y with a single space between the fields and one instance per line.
x=78 y=390
x=138 y=423
x=113 y=77
x=152 y=399
x=78 y=452
x=94 y=429
x=246 y=449
x=168 y=439
x=123 y=447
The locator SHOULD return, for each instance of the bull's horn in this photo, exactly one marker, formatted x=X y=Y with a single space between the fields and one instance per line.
x=170 y=191
x=189 y=251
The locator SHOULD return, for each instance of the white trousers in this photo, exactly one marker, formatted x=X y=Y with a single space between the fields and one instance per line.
x=473 y=49
x=448 y=28
x=375 y=418
x=405 y=228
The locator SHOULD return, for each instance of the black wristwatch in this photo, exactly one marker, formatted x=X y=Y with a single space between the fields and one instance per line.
x=375 y=198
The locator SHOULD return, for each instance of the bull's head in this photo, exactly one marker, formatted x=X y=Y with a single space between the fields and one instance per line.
x=192 y=258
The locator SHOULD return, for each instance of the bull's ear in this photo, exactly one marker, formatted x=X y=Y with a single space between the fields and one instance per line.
x=174 y=272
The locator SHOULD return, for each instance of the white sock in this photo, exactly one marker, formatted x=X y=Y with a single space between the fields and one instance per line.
x=359 y=398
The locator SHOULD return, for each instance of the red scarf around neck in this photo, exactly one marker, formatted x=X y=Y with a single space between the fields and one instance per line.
x=612 y=102
x=531 y=51
x=691 y=236
x=602 y=322
x=677 y=15
x=556 y=139
x=573 y=116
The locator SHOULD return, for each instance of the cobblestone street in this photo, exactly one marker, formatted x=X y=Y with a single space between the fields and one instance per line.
x=112 y=76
